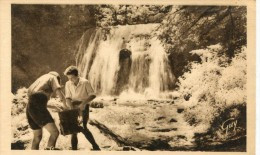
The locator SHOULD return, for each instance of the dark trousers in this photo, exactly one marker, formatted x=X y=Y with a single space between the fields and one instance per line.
x=85 y=131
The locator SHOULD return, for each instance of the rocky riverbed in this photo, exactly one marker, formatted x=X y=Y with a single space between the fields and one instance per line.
x=130 y=125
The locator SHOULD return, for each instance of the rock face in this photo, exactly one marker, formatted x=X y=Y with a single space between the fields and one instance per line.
x=43 y=40
x=124 y=54
x=125 y=63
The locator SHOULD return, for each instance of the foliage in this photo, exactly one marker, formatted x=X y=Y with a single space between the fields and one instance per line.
x=187 y=28
x=212 y=85
x=112 y=15
x=19 y=102
x=201 y=26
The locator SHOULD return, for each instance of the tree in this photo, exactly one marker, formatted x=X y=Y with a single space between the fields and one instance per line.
x=111 y=15
x=187 y=28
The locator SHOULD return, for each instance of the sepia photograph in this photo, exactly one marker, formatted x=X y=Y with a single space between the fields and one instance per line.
x=129 y=77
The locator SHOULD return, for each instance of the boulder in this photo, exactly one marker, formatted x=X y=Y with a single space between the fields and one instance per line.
x=124 y=54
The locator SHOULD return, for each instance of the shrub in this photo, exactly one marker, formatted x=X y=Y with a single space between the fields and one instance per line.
x=20 y=99
x=212 y=85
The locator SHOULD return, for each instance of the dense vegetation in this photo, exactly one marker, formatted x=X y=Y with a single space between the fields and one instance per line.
x=212 y=86
x=187 y=28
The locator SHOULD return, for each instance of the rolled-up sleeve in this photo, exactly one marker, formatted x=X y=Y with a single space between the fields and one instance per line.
x=68 y=94
x=55 y=84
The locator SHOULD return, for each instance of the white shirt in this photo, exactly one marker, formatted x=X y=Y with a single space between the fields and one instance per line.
x=47 y=83
x=78 y=92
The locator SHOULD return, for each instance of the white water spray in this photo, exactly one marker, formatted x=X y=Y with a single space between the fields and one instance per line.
x=149 y=74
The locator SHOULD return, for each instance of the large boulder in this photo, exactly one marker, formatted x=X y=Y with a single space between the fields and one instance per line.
x=125 y=63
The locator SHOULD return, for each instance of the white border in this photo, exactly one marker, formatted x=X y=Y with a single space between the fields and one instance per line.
x=5 y=68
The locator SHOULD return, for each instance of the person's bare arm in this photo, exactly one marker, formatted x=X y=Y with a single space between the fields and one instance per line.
x=69 y=103
x=86 y=102
x=62 y=97
x=89 y=99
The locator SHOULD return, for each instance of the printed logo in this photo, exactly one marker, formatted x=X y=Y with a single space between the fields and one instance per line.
x=229 y=126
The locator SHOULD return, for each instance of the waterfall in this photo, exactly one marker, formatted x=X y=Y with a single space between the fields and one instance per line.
x=130 y=59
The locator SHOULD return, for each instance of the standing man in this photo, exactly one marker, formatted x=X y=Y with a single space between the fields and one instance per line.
x=78 y=93
x=36 y=111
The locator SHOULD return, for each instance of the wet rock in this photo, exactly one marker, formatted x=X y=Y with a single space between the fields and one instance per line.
x=175 y=98
x=164 y=130
x=158 y=145
x=187 y=97
x=137 y=124
x=173 y=120
x=124 y=54
x=23 y=128
x=180 y=110
x=106 y=147
x=125 y=63
x=18 y=145
x=128 y=148
x=181 y=137
x=97 y=105
x=140 y=128
x=159 y=118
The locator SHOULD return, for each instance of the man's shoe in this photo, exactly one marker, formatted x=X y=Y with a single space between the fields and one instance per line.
x=96 y=148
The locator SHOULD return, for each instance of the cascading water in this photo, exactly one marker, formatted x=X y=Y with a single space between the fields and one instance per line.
x=130 y=59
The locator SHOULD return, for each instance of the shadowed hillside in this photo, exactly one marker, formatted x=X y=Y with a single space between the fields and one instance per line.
x=44 y=38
